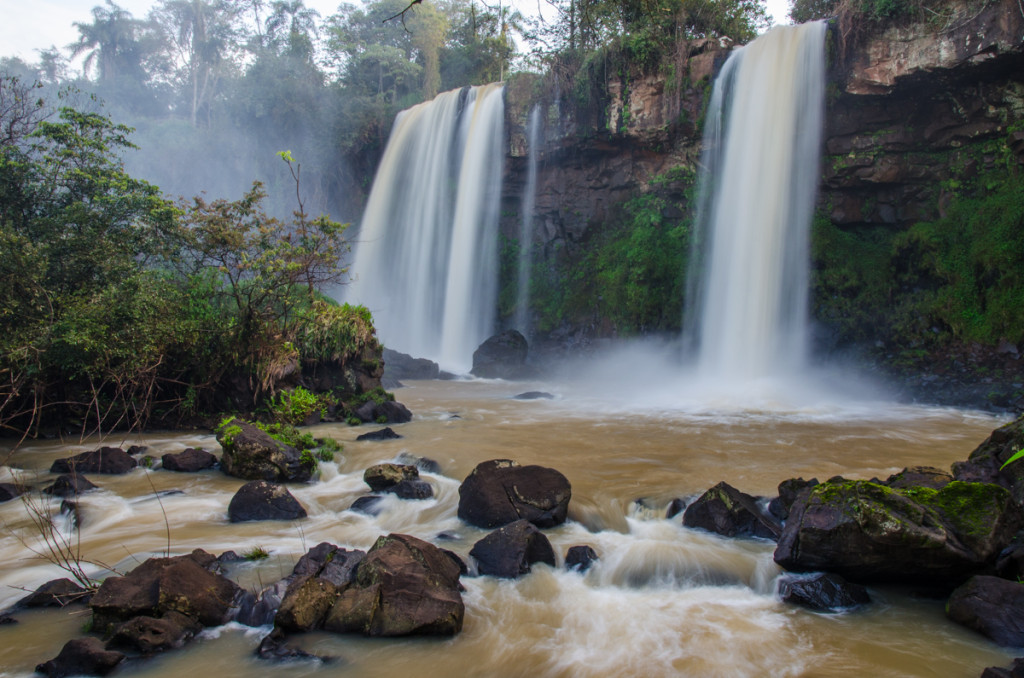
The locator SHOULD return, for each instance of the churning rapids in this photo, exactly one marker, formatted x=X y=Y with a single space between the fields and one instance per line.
x=663 y=600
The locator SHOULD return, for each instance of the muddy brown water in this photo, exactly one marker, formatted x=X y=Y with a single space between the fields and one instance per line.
x=663 y=600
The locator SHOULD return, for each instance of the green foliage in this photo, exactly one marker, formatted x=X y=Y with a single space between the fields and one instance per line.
x=295 y=405
x=354 y=421
x=1014 y=457
x=256 y=553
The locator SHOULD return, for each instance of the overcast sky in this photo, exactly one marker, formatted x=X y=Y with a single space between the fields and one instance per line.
x=29 y=25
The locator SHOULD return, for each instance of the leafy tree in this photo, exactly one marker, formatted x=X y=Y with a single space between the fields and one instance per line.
x=293 y=26
x=110 y=43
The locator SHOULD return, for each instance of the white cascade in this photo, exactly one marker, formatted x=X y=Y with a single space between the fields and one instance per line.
x=760 y=172
x=425 y=259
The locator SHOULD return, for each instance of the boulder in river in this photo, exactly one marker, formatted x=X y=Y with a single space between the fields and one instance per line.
x=260 y=500
x=382 y=476
x=181 y=584
x=502 y=356
x=868 y=532
x=1015 y=670
x=919 y=476
x=386 y=433
x=822 y=592
x=9 y=491
x=500 y=491
x=69 y=485
x=580 y=558
x=108 y=460
x=189 y=460
x=82 y=657
x=149 y=635
x=991 y=606
x=789 y=490
x=404 y=586
x=726 y=511
x=510 y=551
x=388 y=411
x=55 y=593
x=252 y=454
x=985 y=463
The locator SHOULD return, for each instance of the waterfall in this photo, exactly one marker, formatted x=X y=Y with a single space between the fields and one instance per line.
x=760 y=171
x=425 y=259
x=522 y=317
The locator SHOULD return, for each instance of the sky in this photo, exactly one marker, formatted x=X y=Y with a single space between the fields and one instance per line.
x=30 y=25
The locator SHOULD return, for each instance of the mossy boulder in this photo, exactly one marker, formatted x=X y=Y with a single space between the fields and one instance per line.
x=252 y=454
x=984 y=464
x=869 y=532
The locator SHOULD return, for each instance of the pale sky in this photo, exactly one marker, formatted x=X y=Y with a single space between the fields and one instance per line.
x=29 y=25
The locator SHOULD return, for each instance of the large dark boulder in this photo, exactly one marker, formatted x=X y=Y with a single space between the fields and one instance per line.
x=55 y=593
x=386 y=433
x=985 y=463
x=726 y=511
x=252 y=454
x=1016 y=670
x=404 y=586
x=148 y=635
x=403 y=366
x=868 y=532
x=69 y=485
x=991 y=606
x=823 y=592
x=189 y=460
x=502 y=356
x=509 y=551
x=182 y=584
x=82 y=657
x=110 y=460
x=306 y=603
x=500 y=491
x=260 y=500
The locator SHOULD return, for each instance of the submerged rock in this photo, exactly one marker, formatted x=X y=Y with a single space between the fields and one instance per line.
x=189 y=460
x=424 y=464
x=55 y=593
x=9 y=491
x=368 y=505
x=580 y=558
x=107 y=460
x=868 y=532
x=500 y=491
x=404 y=586
x=383 y=434
x=251 y=454
x=533 y=395
x=81 y=657
x=148 y=635
x=991 y=606
x=725 y=510
x=510 y=550
x=822 y=592
x=69 y=485
x=383 y=476
x=502 y=356
x=260 y=500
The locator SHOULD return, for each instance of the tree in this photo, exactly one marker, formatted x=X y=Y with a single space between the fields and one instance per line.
x=110 y=43
x=292 y=25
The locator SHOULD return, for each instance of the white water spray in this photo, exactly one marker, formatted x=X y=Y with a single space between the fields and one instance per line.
x=426 y=261
x=762 y=141
x=522 y=318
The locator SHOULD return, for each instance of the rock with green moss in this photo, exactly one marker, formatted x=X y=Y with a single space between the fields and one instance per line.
x=984 y=463
x=868 y=532
x=252 y=454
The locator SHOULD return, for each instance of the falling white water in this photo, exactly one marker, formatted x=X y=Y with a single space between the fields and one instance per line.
x=762 y=141
x=425 y=261
x=522 y=317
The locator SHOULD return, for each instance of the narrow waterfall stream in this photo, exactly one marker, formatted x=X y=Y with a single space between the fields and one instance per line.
x=425 y=258
x=761 y=145
x=525 y=263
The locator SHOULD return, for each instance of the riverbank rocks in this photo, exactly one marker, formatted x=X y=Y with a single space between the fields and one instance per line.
x=149 y=635
x=984 y=464
x=822 y=592
x=502 y=356
x=404 y=586
x=726 y=511
x=189 y=460
x=919 y=476
x=107 y=460
x=500 y=491
x=55 y=593
x=509 y=551
x=82 y=657
x=868 y=532
x=260 y=500
x=991 y=606
x=69 y=485
x=252 y=454
x=159 y=586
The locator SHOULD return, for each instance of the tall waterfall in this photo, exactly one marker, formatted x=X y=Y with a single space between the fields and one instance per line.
x=762 y=141
x=425 y=259
x=522 y=317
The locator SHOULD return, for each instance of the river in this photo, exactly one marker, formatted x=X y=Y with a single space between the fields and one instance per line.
x=662 y=600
